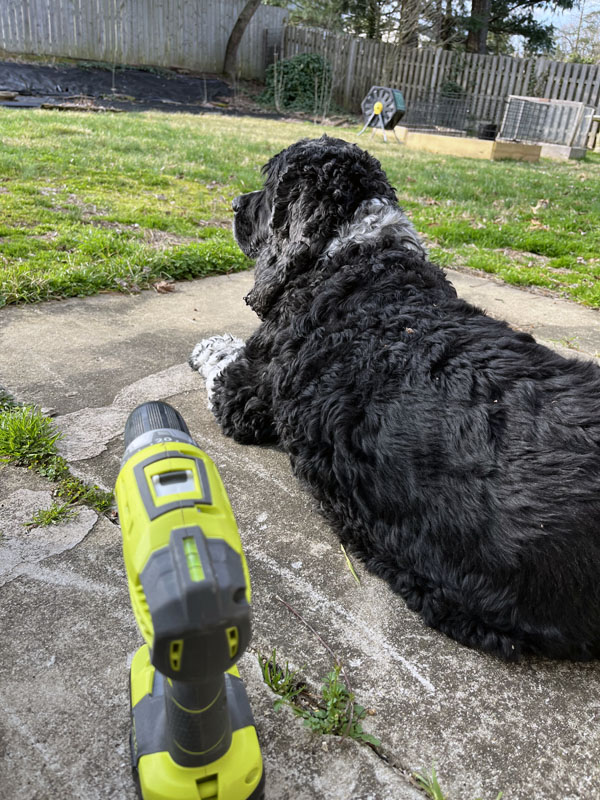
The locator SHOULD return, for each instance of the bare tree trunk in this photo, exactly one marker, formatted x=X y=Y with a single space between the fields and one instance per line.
x=235 y=37
x=411 y=14
x=448 y=32
x=579 y=27
x=480 y=19
x=437 y=19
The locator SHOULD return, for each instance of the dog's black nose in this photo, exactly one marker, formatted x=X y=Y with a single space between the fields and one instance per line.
x=235 y=203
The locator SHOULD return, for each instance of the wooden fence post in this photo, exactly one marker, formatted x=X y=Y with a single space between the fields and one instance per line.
x=350 y=72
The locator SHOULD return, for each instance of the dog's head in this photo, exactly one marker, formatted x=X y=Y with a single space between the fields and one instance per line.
x=311 y=189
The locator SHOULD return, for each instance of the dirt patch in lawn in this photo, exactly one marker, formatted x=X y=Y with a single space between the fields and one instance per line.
x=159 y=240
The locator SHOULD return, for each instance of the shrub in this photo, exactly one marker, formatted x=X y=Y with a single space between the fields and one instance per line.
x=300 y=83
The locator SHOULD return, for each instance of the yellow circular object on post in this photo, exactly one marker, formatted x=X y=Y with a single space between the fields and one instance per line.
x=378 y=108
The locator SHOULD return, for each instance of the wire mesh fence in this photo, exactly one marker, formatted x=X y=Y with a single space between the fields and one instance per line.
x=524 y=121
x=534 y=119
x=448 y=114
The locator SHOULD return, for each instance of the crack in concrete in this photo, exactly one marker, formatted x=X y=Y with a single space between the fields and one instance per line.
x=380 y=752
x=87 y=431
x=357 y=630
x=21 y=548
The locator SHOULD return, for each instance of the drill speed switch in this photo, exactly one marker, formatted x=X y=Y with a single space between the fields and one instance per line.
x=192 y=731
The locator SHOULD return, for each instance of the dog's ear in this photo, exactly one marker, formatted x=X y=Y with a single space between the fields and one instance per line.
x=321 y=186
x=288 y=193
x=273 y=269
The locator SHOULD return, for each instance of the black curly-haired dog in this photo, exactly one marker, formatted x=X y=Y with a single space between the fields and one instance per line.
x=459 y=458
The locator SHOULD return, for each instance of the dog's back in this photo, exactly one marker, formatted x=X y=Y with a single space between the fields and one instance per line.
x=458 y=456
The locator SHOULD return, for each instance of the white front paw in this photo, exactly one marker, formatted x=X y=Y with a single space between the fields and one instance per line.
x=211 y=356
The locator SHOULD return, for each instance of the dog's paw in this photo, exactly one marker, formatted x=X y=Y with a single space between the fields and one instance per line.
x=210 y=357
x=210 y=353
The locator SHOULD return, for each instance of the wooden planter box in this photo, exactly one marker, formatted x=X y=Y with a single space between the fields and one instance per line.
x=466 y=147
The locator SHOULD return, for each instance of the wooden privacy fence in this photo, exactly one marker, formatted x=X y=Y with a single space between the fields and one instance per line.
x=168 y=33
x=359 y=64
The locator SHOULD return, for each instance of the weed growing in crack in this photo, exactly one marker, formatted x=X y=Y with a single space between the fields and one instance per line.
x=340 y=716
x=332 y=712
x=6 y=400
x=72 y=490
x=430 y=785
x=52 y=516
x=28 y=439
x=281 y=681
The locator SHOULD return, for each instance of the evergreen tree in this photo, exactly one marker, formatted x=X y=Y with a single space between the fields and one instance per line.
x=482 y=25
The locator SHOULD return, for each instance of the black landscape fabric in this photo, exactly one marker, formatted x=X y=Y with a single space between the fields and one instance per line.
x=126 y=88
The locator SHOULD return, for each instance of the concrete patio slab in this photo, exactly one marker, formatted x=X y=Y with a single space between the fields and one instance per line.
x=530 y=730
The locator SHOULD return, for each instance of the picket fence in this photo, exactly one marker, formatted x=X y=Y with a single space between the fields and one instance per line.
x=170 y=33
x=359 y=64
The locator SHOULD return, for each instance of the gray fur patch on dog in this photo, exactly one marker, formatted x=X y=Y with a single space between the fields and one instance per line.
x=370 y=219
x=210 y=357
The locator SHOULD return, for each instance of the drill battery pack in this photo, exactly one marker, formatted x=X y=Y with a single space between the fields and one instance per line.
x=236 y=775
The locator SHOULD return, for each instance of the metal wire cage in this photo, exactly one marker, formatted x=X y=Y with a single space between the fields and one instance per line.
x=449 y=114
x=536 y=119
x=523 y=121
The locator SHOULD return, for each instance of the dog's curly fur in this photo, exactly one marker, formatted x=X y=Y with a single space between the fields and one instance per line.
x=459 y=458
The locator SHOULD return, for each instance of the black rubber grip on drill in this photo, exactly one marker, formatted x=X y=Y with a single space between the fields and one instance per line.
x=153 y=416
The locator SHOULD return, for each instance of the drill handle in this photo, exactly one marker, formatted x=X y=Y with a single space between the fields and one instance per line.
x=198 y=722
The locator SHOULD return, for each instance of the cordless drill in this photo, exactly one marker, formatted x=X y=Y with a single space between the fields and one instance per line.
x=192 y=731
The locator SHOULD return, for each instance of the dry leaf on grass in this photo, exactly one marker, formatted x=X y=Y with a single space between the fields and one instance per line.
x=541 y=203
x=163 y=286
x=536 y=225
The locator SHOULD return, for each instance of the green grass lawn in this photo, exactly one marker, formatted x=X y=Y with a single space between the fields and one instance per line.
x=96 y=202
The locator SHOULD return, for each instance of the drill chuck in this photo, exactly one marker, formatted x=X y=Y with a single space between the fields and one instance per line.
x=152 y=423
